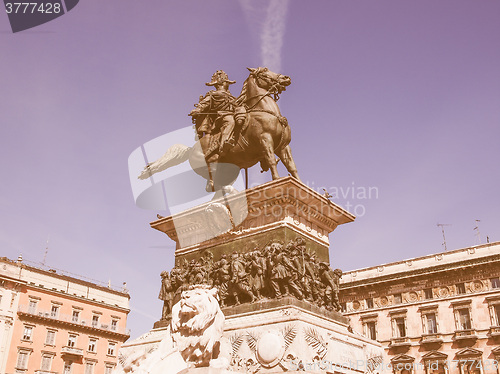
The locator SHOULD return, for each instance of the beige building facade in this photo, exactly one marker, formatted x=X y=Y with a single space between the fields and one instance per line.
x=433 y=314
x=52 y=323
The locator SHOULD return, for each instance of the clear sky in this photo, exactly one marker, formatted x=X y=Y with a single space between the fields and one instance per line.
x=400 y=96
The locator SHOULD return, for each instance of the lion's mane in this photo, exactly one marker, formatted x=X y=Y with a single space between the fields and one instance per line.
x=197 y=324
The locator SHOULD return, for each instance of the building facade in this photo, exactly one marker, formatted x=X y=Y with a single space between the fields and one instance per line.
x=53 y=323
x=433 y=314
x=10 y=287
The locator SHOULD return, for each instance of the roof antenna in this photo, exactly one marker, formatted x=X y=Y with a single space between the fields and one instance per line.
x=476 y=229
x=46 y=251
x=442 y=225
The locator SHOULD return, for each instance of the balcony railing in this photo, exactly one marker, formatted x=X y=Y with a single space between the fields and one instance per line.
x=44 y=372
x=71 y=319
x=401 y=341
x=465 y=334
x=431 y=338
x=494 y=331
x=72 y=351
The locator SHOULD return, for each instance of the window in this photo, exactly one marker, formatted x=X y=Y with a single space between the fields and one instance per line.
x=400 y=327
x=371 y=330
x=496 y=314
x=495 y=282
x=75 y=316
x=54 y=311
x=89 y=367
x=464 y=322
x=428 y=293
x=50 y=339
x=109 y=369
x=460 y=288
x=431 y=323
x=67 y=367
x=494 y=309
x=397 y=298
x=27 y=333
x=470 y=365
x=111 y=349
x=46 y=362
x=32 y=306
x=398 y=323
x=435 y=366
x=95 y=320
x=369 y=303
x=22 y=359
x=114 y=323
x=92 y=345
x=71 y=340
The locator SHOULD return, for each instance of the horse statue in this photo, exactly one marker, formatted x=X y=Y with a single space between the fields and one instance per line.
x=264 y=133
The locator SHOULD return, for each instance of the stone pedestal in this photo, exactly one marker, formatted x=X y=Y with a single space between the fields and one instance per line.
x=285 y=335
x=272 y=334
x=278 y=210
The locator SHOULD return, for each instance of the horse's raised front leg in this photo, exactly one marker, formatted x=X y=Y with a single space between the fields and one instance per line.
x=268 y=147
x=286 y=157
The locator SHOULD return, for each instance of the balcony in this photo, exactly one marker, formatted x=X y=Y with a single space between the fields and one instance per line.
x=400 y=342
x=44 y=372
x=469 y=334
x=431 y=339
x=67 y=350
x=494 y=331
x=70 y=319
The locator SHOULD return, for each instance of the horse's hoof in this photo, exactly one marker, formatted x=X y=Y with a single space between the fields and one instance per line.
x=210 y=186
x=229 y=190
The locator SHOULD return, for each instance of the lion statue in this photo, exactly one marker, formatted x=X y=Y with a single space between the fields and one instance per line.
x=192 y=339
x=197 y=324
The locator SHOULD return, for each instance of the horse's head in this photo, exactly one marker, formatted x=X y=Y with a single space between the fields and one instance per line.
x=268 y=80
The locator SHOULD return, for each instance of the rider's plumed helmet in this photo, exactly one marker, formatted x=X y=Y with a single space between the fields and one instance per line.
x=220 y=77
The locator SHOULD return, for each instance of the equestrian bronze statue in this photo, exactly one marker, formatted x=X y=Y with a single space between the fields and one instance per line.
x=235 y=132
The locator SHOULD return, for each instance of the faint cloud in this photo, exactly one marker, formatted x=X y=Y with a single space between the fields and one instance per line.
x=268 y=19
x=144 y=314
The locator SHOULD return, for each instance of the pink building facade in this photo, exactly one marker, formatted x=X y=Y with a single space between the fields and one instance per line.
x=60 y=324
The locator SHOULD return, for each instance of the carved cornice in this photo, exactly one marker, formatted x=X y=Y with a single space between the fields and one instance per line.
x=428 y=308
x=417 y=273
x=281 y=201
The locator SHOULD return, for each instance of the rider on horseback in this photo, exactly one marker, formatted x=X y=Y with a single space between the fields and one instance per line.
x=219 y=115
x=218 y=111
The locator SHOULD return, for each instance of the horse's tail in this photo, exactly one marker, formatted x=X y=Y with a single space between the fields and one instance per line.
x=175 y=155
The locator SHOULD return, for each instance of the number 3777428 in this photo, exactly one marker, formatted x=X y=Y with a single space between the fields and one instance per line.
x=33 y=8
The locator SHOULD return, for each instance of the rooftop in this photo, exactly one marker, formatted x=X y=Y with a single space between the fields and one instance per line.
x=58 y=274
x=477 y=253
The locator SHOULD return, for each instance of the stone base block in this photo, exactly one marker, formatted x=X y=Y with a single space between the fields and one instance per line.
x=292 y=338
x=258 y=214
x=273 y=304
x=275 y=336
